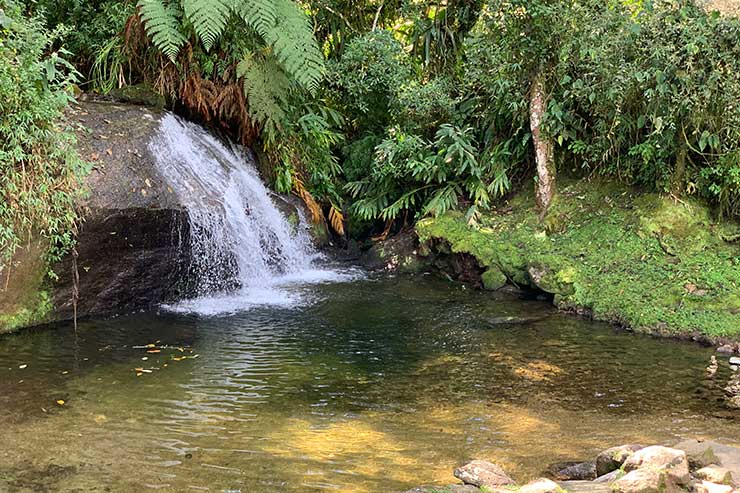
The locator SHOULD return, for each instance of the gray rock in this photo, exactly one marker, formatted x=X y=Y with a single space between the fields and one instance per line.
x=609 y=477
x=483 y=474
x=735 y=361
x=726 y=349
x=699 y=454
x=714 y=474
x=574 y=471
x=541 y=485
x=672 y=461
x=613 y=458
x=645 y=481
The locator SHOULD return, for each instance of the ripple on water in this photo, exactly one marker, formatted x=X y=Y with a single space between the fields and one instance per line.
x=373 y=385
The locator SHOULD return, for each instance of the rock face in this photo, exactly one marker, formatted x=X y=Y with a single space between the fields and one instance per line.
x=483 y=475
x=132 y=248
x=613 y=458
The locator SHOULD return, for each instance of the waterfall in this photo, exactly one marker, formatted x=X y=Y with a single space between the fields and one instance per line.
x=243 y=251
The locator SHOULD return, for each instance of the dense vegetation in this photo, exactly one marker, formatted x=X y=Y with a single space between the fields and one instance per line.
x=380 y=112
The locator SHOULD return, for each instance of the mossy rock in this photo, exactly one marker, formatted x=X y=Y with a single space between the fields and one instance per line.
x=493 y=279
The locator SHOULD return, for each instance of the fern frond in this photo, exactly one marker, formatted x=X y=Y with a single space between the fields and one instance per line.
x=161 y=24
x=208 y=17
x=317 y=216
x=266 y=87
x=295 y=47
x=260 y=15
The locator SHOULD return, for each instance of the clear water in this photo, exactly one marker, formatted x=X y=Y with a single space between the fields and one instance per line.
x=373 y=385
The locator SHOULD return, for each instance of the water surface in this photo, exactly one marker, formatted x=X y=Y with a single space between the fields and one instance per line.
x=373 y=385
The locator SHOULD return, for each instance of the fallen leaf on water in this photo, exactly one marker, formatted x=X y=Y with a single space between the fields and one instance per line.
x=144 y=358
x=151 y=345
x=154 y=351
x=60 y=402
x=179 y=358
x=109 y=152
x=22 y=367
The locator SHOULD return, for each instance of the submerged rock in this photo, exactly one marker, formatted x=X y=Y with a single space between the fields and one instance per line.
x=453 y=488
x=613 y=458
x=483 y=474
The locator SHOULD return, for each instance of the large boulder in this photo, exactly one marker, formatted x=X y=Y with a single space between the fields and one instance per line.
x=672 y=462
x=612 y=458
x=483 y=475
x=574 y=471
x=645 y=481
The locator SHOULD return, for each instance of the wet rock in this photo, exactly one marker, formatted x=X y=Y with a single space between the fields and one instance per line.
x=645 y=481
x=613 y=458
x=714 y=474
x=493 y=279
x=481 y=473
x=573 y=471
x=726 y=349
x=709 y=487
x=512 y=320
x=399 y=253
x=713 y=366
x=673 y=462
x=732 y=391
x=700 y=454
x=735 y=361
x=541 y=485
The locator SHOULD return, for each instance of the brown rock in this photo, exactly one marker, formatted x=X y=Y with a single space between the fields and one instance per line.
x=645 y=481
x=700 y=454
x=483 y=474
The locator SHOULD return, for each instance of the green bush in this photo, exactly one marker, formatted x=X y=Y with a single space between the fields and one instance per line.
x=40 y=170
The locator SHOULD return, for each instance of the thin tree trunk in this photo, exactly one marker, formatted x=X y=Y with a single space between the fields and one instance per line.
x=680 y=171
x=543 y=149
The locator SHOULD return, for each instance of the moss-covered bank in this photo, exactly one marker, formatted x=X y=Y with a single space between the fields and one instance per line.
x=650 y=263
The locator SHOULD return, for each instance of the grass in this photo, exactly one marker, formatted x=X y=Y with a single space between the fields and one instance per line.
x=647 y=262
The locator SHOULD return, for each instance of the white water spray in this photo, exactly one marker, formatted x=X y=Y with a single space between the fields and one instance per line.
x=243 y=251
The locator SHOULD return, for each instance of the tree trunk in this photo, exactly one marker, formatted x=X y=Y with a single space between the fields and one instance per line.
x=680 y=171
x=543 y=149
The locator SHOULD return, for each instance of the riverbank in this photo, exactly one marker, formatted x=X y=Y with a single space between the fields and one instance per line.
x=649 y=263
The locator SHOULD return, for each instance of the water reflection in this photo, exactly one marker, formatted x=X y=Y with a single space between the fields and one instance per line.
x=380 y=385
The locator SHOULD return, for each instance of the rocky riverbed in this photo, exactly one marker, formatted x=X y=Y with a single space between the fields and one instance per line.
x=695 y=466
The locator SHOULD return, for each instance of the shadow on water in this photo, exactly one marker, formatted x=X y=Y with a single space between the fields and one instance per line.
x=375 y=385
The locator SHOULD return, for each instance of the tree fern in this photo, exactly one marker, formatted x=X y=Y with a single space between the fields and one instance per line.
x=209 y=17
x=162 y=25
x=260 y=15
x=266 y=86
x=291 y=38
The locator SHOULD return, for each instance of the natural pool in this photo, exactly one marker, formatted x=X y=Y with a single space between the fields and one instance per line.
x=371 y=385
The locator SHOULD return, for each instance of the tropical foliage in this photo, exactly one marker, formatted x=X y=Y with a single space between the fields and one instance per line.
x=39 y=167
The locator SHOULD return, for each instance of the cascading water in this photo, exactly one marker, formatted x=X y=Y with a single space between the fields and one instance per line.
x=243 y=251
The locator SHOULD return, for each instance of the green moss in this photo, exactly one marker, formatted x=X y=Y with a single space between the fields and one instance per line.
x=33 y=314
x=493 y=279
x=648 y=262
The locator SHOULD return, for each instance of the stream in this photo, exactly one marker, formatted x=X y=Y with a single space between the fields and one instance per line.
x=365 y=384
